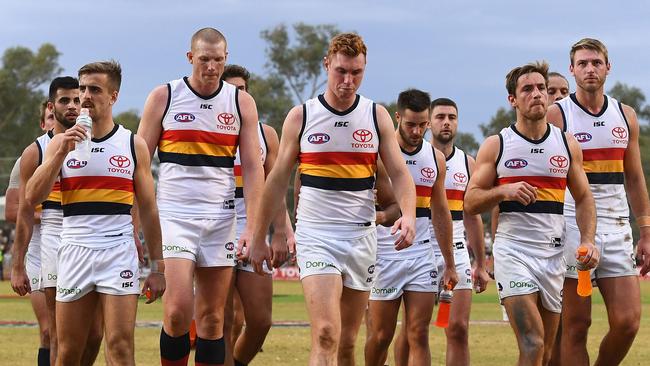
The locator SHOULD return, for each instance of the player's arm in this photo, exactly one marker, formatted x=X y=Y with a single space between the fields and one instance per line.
x=441 y=221
x=277 y=181
x=400 y=178
x=475 y=239
x=24 y=222
x=249 y=152
x=385 y=198
x=150 y=126
x=482 y=194
x=636 y=188
x=554 y=116
x=279 y=250
x=11 y=204
x=585 y=206
x=154 y=285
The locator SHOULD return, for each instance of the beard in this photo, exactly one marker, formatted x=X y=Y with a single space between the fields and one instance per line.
x=443 y=139
x=60 y=117
x=408 y=140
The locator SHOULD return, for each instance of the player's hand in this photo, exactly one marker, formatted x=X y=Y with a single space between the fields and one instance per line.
x=406 y=227
x=19 y=280
x=291 y=244
x=449 y=277
x=480 y=277
x=71 y=136
x=258 y=253
x=279 y=249
x=592 y=257
x=242 y=246
x=154 y=286
x=521 y=192
x=643 y=253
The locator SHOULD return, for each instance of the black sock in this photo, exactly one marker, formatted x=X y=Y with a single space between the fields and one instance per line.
x=237 y=363
x=210 y=352
x=43 y=357
x=174 y=351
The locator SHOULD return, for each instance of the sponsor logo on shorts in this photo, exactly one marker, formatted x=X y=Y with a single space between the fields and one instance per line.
x=633 y=260
x=318 y=138
x=127 y=284
x=126 y=274
x=230 y=246
x=433 y=274
x=34 y=281
x=516 y=163
x=521 y=284
x=369 y=279
x=468 y=272
x=384 y=291
x=500 y=286
x=371 y=269
x=583 y=137
x=184 y=117
x=51 y=277
x=571 y=268
x=175 y=248
x=68 y=291
x=229 y=205
x=318 y=264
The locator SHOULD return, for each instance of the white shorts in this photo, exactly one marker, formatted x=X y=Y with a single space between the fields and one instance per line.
x=616 y=253
x=463 y=266
x=50 y=244
x=112 y=271
x=33 y=260
x=207 y=242
x=394 y=276
x=353 y=259
x=519 y=273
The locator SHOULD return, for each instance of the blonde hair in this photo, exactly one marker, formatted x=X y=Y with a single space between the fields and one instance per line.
x=110 y=68
x=589 y=44
x=349 y=44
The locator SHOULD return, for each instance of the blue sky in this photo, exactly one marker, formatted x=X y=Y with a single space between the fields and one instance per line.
x=459 y=49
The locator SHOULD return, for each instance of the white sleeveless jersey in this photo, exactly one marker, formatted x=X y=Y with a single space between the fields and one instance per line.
x=603 y=138
x=543 y=164
x=338 y=161
x=51 y=214
x=240 y=204
x=197 y=152
x=97 y=195
x=456 y=179
x=421 y=163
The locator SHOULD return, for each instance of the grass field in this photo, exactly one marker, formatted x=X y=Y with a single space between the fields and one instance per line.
x=491 y=343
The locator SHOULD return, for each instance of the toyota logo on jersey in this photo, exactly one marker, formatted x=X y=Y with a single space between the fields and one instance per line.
x=559 y=161
x=619 y=132
x=226 y=118
x=460 y=177
x=120 y=161
x=362 y=135
x=428 y=172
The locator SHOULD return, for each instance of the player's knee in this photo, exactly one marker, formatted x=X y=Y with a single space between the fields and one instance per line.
x=211 y=324
x=418 y=335
x=120 y=350
x=532 y=345
x=178 y=320
x=261 y=325
x=458 y=331
x=327 y=336
x=625 y=324
x=576 y=327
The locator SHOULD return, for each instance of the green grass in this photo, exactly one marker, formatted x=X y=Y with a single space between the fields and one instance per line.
x=490 y=344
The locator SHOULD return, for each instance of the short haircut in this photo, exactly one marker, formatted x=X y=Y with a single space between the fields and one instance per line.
x=208 y=35
x=589 y=44
x=62 y=82
x=444 y=102
x=236 y=71
x=413 y=99
x=41 y=110
x=111 y=69
x=349 y=44
x=514 y=74
x=555 y=74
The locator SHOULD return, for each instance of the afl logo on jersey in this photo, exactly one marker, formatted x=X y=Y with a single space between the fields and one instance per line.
x=318 y=138
x=428 y=172
x=184 y=117
x=583 y=137
x=619 y=132
x=119 y=161
x=76 y=164
x=516 y=163
x=460 y=177
x=226 y=118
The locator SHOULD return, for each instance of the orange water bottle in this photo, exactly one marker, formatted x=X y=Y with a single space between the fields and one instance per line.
x=444 y=305
x=584 y=274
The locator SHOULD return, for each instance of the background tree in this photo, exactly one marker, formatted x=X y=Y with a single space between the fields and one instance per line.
x=129 y=119
x=503 y=118
x=272 y=99
x=23 y=73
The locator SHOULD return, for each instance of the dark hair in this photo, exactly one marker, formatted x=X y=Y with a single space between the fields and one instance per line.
x=444 y=102
x=209 y=35
x=514 y=74
x=111 y=69
x=589 y=44
x=41 y=110
x=62 y=82
x=555 y=74
x=236 y=71
x=413 y=99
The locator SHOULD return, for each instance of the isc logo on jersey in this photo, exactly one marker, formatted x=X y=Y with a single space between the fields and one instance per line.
x=184 y=117
x=516 y=163
x=76 y=164
x=119 y=163
x=583 y=137
x=318 y=138
x=226 y=121
x=559 y=164
x=362 y=138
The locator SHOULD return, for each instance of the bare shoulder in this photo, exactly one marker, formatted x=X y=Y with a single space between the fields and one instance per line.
x=554 y=115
